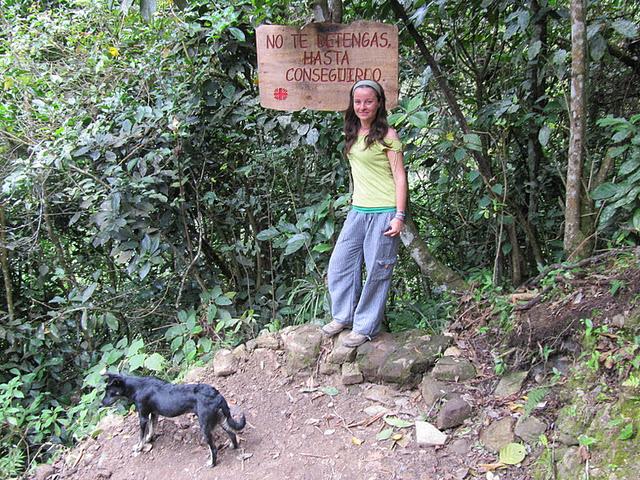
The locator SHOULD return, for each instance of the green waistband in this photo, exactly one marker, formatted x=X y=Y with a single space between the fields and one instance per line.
x=373 y=209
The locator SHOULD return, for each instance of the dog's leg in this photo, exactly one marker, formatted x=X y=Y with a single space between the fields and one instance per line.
x=206 y=426
x=144 y=429
x=152 y=426
x=213 y=454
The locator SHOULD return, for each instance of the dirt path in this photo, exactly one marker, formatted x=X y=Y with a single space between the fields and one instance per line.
x=297 y=428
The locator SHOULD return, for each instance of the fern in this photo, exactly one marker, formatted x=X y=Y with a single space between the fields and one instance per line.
x=533 y=399
x=12 y=463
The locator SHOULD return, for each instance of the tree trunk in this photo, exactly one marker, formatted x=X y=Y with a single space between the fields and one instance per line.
x=436 y=271
x=576 y=243
x=4 y=262
x=536 y=92
x=327 y=11
x=53 y=237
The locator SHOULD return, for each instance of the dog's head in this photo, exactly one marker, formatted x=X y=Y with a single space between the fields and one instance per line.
x=115 y=389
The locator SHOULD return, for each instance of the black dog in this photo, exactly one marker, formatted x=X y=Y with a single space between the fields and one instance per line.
x=153 y=397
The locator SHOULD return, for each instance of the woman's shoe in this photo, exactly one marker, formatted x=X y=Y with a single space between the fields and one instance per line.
x=355 y=339
x=332 y=328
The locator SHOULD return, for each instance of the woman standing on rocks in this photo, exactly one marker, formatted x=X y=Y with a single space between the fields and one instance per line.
x=372 y=228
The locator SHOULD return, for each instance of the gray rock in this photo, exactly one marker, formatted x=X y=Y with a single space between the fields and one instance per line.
x=510 y=384
x=529 y=429
x=241 y=352
x=573 y=420
x=374 y=410
x=428 y=435
x=327 y=368
x=433 y=390
x=267 y=339
x=451 y=369
x=414 y=354
x=460 y=447
x=196 y=374
x=381 y=394
x=570 y=466
x=453 y=413
x=341 y=354
x=351 y=374
x=43 y=472
x=224 y=363
x=371 y=355
x=498 y=434
x=302 y=344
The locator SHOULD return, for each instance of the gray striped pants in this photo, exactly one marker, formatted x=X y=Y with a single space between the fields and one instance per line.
x=362 y=239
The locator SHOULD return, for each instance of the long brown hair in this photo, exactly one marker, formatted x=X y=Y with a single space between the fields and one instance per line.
x=379 y=126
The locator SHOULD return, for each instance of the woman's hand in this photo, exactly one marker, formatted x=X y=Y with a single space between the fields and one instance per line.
x=395 y=227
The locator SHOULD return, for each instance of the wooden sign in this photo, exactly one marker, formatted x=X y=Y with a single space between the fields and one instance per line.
x=316 y=66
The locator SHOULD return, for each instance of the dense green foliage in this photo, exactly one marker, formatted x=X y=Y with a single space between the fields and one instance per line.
x=152 y=210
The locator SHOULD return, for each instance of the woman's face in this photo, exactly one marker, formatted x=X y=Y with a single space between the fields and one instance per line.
x=365 y=104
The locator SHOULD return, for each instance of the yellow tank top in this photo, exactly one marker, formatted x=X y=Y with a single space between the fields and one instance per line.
x=373 y=185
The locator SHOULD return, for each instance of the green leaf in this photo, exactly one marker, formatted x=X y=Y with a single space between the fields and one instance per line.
x=414 y=103
x=534 y=49
x=154 y=362
x=419 y=119
x=205 y=344
x=629 y=166
x=295 y=243
x=497 y=189
x=627 y=432
x=322 y=247
x=614 y=152
x=86 y=295
x=312 y=136
x=136 y=361
x=176 y=343
x=472 y=141
x=397 y=118
x=237 y=33
x=331 y=391
x=144 y=271
x=534 y=397
x=605 y=190
x=111 y=321
x=212 y=310
x=460 y=154
x=268 y=234
x=543 y=135
x=384 y=434
x=397 y=422
x=93 y=379
x=597 y=47
x=626 y=28
x=586 y=441
x=636 y=220
x=222 y=300
x=135 y=347
x=512 y=454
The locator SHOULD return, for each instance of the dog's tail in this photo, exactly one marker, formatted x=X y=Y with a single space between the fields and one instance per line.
x=222 y=405
x=237 y=425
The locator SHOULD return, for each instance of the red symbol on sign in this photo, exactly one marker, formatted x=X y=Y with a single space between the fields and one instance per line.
x=280 y=94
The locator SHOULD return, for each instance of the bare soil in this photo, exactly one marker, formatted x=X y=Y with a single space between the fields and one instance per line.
x=294 y=430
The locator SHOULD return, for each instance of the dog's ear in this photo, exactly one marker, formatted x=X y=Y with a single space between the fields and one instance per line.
x=113 y=378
